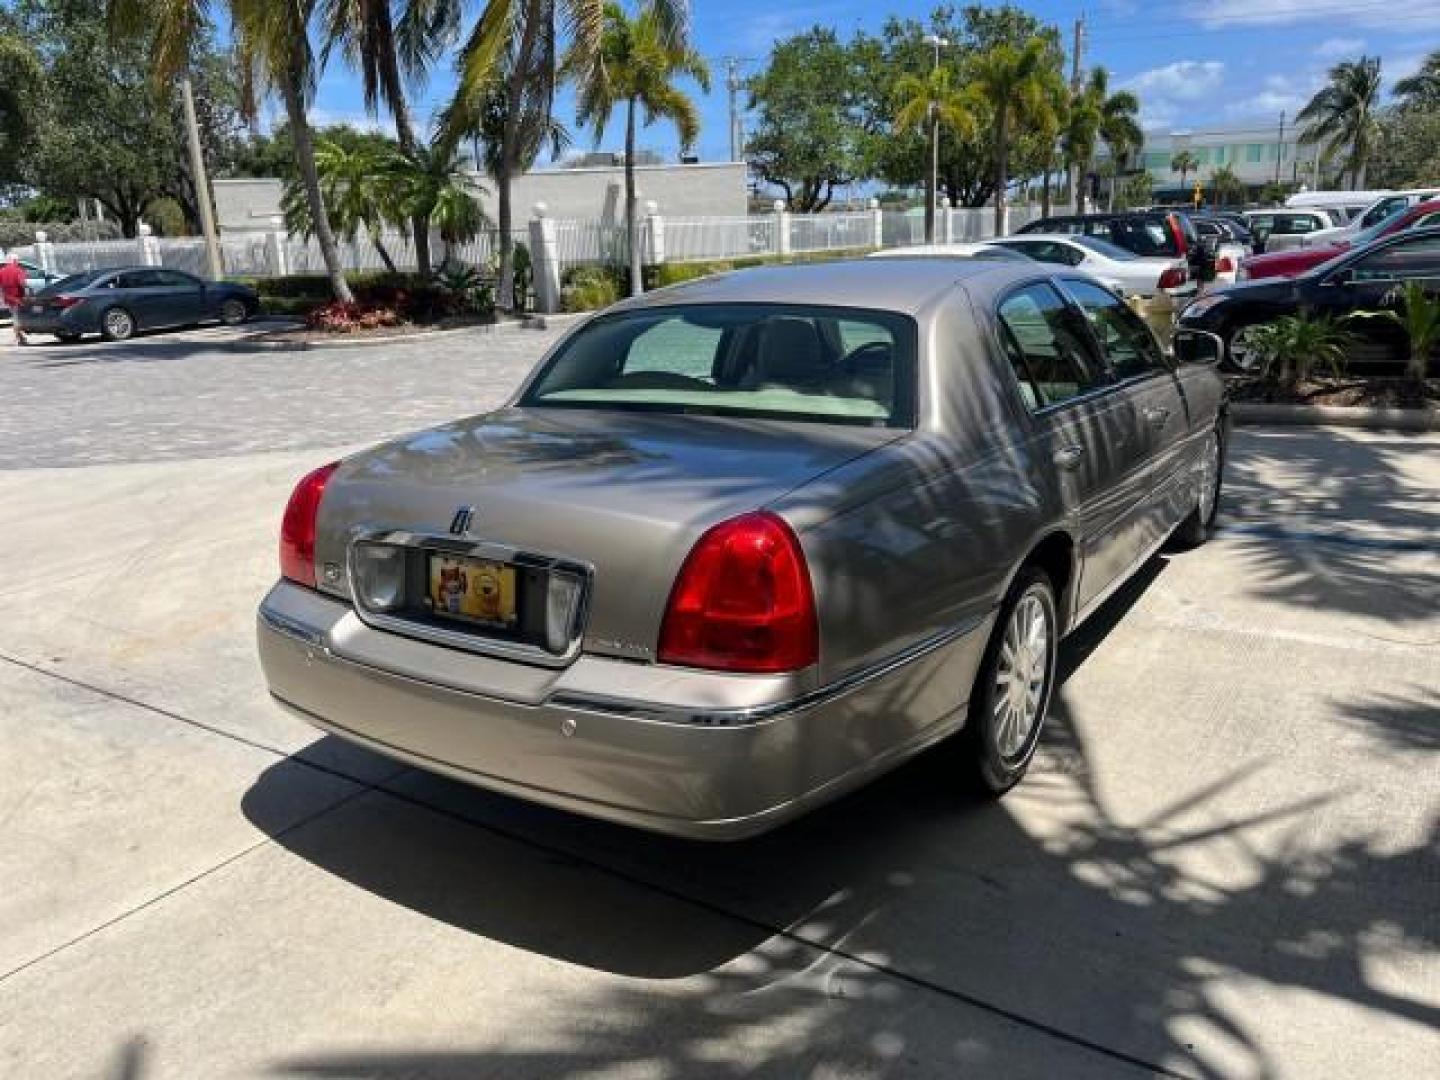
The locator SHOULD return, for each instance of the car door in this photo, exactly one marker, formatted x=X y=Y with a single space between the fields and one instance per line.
x=1085 y=427
x=1370 y=282
x=178 y=299
x=1165 y=429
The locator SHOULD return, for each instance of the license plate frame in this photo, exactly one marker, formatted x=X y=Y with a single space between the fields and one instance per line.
x=472 y=591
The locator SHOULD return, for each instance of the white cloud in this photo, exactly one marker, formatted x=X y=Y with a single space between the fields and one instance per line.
x=1395 y=15
x=1184 y=80
x=1340 y=48
x=759 y=34
x=1277 y=94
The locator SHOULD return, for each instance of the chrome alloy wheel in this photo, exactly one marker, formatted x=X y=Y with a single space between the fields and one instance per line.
x=1021 y=674
x=1209 y=485
x=118 y=324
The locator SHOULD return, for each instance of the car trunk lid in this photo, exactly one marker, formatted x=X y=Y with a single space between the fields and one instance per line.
x=625 y=494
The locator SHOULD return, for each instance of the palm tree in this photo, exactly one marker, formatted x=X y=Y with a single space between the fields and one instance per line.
x=639 y=60
x=509 y=59
x=1184 y=162
x=1018 y=85
x=1341 y=116
x=273 y=44
x=434 y=185
x=1226 y=186
x=359 y=194
x=1119 y=123
x=932 y=101
x=1077 y=141
x=387 y=55
x=1421 y=90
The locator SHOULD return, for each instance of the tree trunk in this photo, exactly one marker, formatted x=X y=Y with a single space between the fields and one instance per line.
x=509 y=151
x=505 y=292
x=310 y=178
x=1002 y=166
x=1072 y=184
x=404 y=135
x=932 y=143
x=384 y=255
x=1045 y=204
x=632 y=231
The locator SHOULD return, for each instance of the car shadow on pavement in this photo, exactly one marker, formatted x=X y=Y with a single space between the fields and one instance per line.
x=906 y=926
x=146 y=346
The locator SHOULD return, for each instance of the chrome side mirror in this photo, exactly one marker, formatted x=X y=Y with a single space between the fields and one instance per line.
x=1198 y=347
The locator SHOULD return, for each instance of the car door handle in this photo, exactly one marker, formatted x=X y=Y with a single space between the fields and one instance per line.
x=1156 y=417
x=1069 y=457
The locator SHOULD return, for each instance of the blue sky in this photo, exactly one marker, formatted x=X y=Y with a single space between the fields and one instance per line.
x=1195 y=64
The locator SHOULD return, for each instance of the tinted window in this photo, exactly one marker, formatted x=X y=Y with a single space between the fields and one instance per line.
x=1383 y=209
x=1127 y=341
x=838 y=365
x=1104 y=247
x=1409 y=259
x=135 y=279
x=173 y=278
x=1144 y=236
x=74 y=281
x=1045 y=347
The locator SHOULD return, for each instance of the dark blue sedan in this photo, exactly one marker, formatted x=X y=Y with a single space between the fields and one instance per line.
x=116 y=303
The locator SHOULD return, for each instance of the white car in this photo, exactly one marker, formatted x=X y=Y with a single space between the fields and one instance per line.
x=1123 y=271
x=1282 y=230
x=1384 y=207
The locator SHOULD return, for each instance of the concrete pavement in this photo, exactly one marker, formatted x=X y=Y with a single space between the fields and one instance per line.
x=1223 y=864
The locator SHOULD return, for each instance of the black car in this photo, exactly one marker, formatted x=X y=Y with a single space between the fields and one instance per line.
x=1148 y=233
x=1360 y=280
x=116 y=303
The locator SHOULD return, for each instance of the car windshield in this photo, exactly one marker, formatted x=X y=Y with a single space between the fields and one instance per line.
x=1364 y=236
x=1104 y=247
x=783 y=361
x=74 y=281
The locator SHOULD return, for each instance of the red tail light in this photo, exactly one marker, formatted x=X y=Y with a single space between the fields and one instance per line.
x=1181 y=247
x=63 y=302
x=743 y=601
x=297 y=528
x=1174 y=277
x=1224 y=265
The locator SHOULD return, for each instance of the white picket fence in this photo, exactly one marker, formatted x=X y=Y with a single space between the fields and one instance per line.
x=557 y=245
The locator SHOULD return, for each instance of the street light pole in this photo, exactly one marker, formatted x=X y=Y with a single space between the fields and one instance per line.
x=932 y=207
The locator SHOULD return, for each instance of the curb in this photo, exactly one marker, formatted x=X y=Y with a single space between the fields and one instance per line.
x=1254 y=412
x=533 y=322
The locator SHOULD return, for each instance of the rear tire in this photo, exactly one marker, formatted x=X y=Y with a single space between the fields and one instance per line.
x=234 y=312
x=117 y=324
x=1012 y=691
x=1195 y=529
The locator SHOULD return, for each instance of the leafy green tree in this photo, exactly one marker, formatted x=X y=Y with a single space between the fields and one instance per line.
x=806 y=132
x=434 y=186
x=640 y=59
x=1408 y=153
x=1421 y=90
x=1139 y=190
x=1226 y=187
x=1342 y=116
x=22 y=78
x=931 y=104
x=1018 y=83
x=360 y=193
x=272 y=42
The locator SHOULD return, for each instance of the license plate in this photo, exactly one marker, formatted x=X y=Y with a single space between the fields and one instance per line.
x=472 y=590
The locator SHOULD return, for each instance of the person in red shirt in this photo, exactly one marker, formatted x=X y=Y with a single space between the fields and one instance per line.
x=12 y=292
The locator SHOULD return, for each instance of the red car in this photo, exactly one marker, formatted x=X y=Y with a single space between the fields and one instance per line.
x=1294 y=262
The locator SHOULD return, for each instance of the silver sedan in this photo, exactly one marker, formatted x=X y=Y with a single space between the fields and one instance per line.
x=738 y=546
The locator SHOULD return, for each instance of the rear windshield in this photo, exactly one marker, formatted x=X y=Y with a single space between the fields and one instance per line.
x=1144 y=236
x=825 y=364
x=74 y=281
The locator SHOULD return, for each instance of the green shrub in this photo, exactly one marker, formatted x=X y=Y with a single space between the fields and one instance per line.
x=590 y=288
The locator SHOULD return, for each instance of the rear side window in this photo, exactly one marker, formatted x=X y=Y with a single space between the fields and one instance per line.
x=1144 y=236
x=1127 y=341
x=1045 y=347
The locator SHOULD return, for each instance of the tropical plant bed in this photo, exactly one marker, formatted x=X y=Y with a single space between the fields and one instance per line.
x=1376 y=392
x=375 y=325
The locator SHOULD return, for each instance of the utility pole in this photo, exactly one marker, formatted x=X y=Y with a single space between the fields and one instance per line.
x=932 y=202
x=1076 y=53
x=1280 y=149
x=732 y=83
x=202 y=183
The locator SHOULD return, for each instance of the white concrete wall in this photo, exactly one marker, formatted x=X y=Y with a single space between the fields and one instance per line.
x=704 y=190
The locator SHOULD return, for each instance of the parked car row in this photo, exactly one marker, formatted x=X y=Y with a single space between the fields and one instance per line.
x=118 y=303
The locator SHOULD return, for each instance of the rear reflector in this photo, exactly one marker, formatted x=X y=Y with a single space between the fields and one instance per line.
x=63 y=302
x=297 y=528
x=743 y=601
x=1224 y=265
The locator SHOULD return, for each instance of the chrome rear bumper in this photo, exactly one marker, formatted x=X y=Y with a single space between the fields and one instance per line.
x=695 y=754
